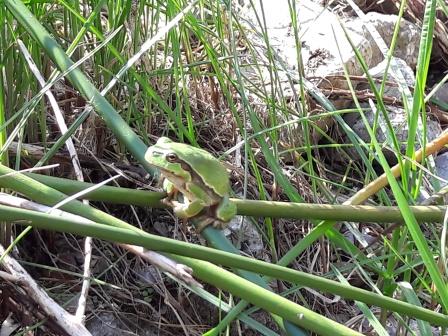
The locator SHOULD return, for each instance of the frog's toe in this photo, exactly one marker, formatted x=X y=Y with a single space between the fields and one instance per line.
x=167 y=202
x=220 y=225
x=203 y=222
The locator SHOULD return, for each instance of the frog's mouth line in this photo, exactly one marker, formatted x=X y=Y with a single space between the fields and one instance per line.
x=169 y=174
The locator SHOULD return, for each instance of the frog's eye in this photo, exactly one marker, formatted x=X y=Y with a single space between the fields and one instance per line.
x=171 y=157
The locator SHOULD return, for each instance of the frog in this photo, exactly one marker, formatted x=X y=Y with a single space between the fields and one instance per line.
x=197 y=184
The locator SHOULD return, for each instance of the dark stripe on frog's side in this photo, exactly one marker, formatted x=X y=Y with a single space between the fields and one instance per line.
x=196 y=179
x=210 y=171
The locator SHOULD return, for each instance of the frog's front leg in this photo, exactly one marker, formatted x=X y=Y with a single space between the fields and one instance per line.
x=169 y=187
x=187 y=209
x=171 y=192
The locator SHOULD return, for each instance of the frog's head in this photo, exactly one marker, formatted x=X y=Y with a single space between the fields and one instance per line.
x=184 y=161
x=165 y=156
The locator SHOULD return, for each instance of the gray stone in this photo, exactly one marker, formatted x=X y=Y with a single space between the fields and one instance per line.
x=398 y=120
x=247 y=234
x=441 y=162
x=442 y=93
x=407 y=41
x=391 y=89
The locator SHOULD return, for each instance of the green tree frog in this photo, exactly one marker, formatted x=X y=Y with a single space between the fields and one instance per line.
x=199 y=177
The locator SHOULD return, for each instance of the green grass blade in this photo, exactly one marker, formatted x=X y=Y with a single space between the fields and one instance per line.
x=364 y=309
x=411 y=297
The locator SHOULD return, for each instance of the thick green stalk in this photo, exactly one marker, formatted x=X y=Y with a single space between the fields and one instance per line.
x=131 y=235
x=266 y=299
x=107 y=194
x=255 y=208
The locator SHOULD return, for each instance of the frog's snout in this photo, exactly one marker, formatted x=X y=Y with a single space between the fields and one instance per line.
x=152 y=153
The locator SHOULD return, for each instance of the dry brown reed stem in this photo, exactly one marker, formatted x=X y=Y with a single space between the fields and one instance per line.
x=376 y=185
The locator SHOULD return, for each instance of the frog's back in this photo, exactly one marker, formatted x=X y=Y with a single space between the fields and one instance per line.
x=207 y=166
